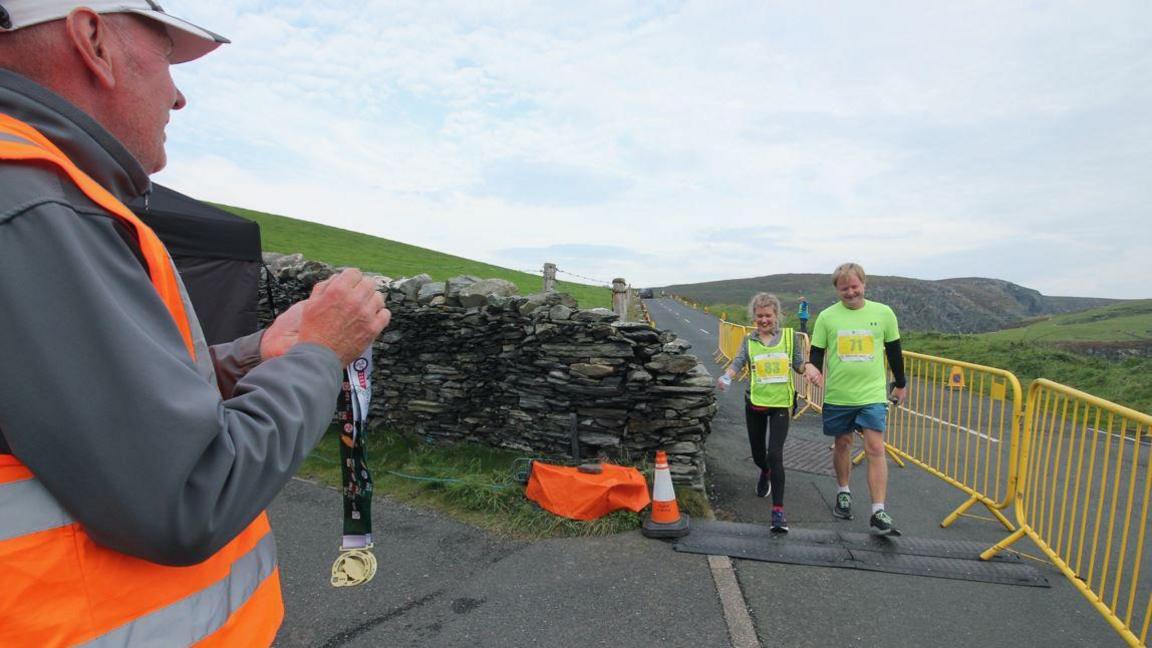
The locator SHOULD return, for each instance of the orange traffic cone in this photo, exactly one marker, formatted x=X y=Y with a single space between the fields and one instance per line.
x=665 y=520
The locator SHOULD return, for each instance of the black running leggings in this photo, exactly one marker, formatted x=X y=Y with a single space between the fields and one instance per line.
x=769 y=425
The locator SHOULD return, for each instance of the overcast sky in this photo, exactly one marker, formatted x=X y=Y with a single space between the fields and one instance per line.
x=676 y=142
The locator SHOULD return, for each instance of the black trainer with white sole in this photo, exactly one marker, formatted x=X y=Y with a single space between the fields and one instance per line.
x=843 y=507
x=882 y=524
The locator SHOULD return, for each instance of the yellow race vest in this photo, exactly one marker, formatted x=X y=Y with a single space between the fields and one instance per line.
x=770 y=371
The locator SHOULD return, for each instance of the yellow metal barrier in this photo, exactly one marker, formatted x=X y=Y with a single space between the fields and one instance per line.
x=728 y=342
x=719 y=353
x=1083 y=497
x=812 y=395
x=960 y=422
x=734 y=335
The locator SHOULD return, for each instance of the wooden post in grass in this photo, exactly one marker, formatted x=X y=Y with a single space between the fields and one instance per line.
x=549 y=277
x=620 y=298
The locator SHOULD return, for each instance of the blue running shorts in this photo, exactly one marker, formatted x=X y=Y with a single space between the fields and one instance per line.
x=846 y=419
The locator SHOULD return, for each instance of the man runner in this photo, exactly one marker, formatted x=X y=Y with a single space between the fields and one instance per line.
x=855 y=385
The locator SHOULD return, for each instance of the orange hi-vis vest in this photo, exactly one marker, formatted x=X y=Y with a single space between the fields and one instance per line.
x=58 y=586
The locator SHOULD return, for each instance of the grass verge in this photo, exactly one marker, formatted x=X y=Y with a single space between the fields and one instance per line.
x=341 y=247
x=1124 y=382
x=471 y=483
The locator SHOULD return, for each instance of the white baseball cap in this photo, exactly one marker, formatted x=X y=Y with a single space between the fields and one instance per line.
x=188 y=41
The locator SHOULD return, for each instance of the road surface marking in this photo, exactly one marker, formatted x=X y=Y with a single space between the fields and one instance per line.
x=1114 y=435
x=740 y=628
x=943 y=422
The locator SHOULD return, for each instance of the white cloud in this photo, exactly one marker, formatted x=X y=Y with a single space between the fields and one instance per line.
x=930 y=140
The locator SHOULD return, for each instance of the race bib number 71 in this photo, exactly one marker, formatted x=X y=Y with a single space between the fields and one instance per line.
x=855 y=346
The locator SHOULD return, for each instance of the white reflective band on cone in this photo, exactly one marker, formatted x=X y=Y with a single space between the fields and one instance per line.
x=662 y=490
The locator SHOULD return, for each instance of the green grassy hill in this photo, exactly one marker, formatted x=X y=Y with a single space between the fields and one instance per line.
x=1124 y=322
x=342 y=247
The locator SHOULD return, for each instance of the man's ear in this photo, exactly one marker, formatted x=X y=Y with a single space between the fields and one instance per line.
x=91 y=35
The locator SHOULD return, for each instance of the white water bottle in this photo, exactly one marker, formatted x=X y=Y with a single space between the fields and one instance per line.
x=725 y=380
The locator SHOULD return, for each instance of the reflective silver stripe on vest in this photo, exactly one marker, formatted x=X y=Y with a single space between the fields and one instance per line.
x=27 y=507
x=195 y=617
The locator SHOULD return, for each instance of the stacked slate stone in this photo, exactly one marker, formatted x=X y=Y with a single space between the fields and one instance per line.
x=470 y=360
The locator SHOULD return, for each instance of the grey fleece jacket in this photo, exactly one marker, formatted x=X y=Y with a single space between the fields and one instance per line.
x=98 y=396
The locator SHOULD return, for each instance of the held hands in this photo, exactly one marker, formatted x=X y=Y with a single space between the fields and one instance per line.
x=813 y=375
x=344 y=313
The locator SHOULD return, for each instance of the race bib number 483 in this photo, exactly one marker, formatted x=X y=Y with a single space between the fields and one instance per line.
x=855 y=346
x=771 y=367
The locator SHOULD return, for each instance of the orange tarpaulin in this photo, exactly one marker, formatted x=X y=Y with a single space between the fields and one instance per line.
x=569 y=493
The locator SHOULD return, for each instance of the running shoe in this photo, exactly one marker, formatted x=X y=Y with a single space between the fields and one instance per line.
x=881 y=524
x=764 y=484
x=843 y=508
x=779 y=522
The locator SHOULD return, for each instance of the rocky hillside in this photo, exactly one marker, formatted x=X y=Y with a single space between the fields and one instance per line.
x=966 y=305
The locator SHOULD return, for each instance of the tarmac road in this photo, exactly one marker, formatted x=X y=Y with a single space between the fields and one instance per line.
x=442 y=583
x=794 y=605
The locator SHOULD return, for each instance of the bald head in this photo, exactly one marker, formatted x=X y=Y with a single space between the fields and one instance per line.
x=114 y=67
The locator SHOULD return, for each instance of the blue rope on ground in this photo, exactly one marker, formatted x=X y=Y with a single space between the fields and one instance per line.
x=447 y=480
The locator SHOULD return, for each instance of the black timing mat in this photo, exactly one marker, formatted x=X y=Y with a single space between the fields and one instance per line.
x=955 y=559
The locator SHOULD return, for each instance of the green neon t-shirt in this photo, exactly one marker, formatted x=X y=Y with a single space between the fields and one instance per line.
x=853 y=341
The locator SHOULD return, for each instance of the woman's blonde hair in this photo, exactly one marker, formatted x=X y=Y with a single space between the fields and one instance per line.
x=760 y=300
x=848 y=268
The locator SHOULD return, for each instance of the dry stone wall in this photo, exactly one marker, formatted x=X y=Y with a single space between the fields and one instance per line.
x=469 y=360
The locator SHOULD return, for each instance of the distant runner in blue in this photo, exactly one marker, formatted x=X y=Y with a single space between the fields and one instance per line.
x=802 y=312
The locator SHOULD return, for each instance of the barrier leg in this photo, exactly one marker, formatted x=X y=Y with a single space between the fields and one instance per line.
x=988 y=553
x=1003 y=519
x=955 y=515
x=963 y=508
x=800 y=411
x=892 y=453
